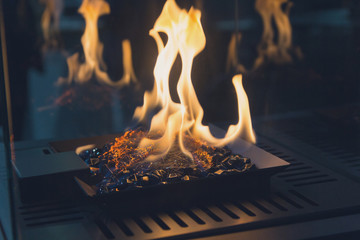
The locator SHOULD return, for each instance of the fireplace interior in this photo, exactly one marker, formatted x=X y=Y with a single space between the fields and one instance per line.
x=180 y=119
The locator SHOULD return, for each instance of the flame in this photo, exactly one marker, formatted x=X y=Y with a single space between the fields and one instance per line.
x=174 y=121
x=50 y=21
x=232 y=61
x=94 y=64
x=277 y=52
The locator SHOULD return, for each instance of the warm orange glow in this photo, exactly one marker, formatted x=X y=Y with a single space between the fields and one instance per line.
x=94 y=65
x=232 y=61
x=50 y=21
x=129 y=74
x=126 y=154
x=125 y=151
x=268 y=49
x=176 y=121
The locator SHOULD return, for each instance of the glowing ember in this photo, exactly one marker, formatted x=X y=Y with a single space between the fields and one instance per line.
x=126 y=153
x=121 y=164
x=175 y=121
x=268 y=49
x=94 y=64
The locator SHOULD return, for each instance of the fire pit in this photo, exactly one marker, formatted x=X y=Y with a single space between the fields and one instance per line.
x=177 y=160
x=122 y=164
x=175 y=187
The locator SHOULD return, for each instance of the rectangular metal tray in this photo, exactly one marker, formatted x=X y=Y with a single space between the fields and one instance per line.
x=184 y=194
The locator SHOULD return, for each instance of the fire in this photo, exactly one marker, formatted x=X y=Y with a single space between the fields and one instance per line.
x=175 y=121
x=50 y=21
x=94 y=64
x=277 y=52
x=232 y=61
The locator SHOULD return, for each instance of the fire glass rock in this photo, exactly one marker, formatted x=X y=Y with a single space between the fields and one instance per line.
x=85 y=155
x=160 y=173
x=106 y=171
x=148 y=179
x=132 y=178
x=233 y=161
x=94 y=170
x=95 y=153
x=94 y=161
x=130 y=171
x=194 y=172
x=219 y=172
x=186 y=178
x=174 y=176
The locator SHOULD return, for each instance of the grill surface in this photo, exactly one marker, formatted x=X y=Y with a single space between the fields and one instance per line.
x=307 y=200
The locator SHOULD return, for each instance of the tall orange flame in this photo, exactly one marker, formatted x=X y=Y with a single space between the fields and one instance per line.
x=94 y=64
x=185 y=37
x=277 y=52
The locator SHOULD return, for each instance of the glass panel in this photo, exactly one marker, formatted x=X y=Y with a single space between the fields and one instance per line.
x=8 y=228
x=6 y=205
x=5 y=209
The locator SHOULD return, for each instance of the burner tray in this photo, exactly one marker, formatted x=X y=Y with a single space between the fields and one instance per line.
x=183 y=194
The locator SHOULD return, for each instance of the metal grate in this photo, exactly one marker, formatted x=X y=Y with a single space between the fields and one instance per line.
x=299 y=173
x=316 y=138
x=207 y=218
x=50 y=213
